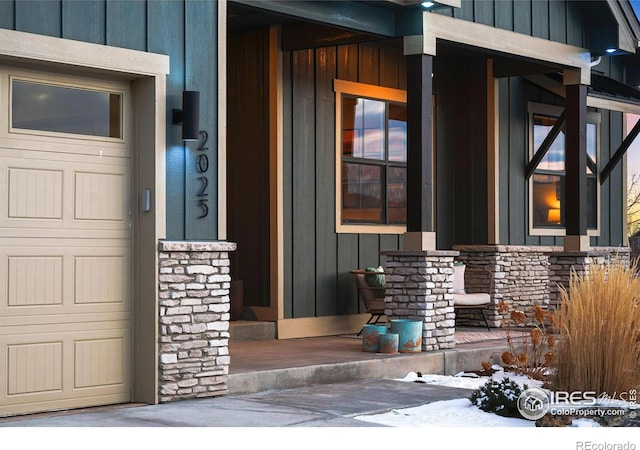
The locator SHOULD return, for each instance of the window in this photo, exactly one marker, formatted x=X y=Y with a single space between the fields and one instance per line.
x=371 y=162
x=62 y=109
x=547 y=199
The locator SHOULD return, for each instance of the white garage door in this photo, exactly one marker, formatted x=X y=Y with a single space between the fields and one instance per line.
x=65 y=242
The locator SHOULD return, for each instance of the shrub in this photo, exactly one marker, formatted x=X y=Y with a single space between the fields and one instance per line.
x=534 y=354
x=598 y=323
x=499 y=397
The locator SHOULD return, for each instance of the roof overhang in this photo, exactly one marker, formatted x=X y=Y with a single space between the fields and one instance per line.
x=603 y=92
x=613 y=27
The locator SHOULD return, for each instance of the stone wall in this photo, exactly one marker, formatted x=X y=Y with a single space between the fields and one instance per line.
x=419 y=285
x=194 y=281
x=562 y=263
x=531 y=275
x=520 y=275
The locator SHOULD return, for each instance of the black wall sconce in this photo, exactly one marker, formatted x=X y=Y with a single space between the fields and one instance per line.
x=189 y=116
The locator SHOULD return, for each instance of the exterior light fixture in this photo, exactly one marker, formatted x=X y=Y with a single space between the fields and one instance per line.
x=189 y=116
x=430 y=5
x=610 y=50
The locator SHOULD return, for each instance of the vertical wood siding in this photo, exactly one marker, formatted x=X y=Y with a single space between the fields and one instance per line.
x=556 y=20
x=248 y=214
x=186 y=31
x=201 y=74
x=317 y=260
x=461 y=157
x=326 y=238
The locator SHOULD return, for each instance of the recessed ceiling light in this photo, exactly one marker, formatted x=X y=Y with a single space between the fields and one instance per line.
x=610 y=50
x=427 y=4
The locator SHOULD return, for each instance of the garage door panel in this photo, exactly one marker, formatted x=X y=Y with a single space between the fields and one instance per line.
x=66 y=369
x=34 y=280
x=52 y=198
x=99 y=362
x=35 y=367
x=98 y=279
x=80 y=280
x=65 y=248
x=34 y=193
x=99 y=196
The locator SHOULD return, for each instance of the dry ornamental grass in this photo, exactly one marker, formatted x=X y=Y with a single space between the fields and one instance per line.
x=598 y=327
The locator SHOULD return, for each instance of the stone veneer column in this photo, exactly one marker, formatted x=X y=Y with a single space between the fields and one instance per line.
x=419 y=285
x=563 y=263
x=194 y=282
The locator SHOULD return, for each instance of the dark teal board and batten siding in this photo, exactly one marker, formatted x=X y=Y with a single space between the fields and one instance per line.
x=187 y=32
x=554 y=20
x=461 y=157
x=317 y=260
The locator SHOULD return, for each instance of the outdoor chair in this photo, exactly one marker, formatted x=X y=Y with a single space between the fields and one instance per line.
x=371 y=294
x=471 y=290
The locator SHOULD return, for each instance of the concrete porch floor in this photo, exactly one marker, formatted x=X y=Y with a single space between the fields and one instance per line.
x=263 y=365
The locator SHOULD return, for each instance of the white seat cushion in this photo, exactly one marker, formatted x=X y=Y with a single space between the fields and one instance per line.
x=471 y=299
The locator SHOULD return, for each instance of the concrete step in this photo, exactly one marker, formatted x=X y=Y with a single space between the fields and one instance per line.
x=444 y=362
x=251 y=330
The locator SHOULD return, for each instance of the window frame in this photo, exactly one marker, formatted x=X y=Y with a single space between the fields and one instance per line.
x=555 y=111
x=361 y=90
x=67 y=82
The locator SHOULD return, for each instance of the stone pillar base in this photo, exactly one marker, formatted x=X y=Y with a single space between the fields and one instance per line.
x=194 y=283
x=420 y=286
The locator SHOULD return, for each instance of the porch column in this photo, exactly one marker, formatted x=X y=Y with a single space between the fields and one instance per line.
x=420 y=287
x=420 y=229
x=575 y=199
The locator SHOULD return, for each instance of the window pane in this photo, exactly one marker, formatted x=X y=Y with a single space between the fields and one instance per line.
x=373 y=131
x=397 y=194
x=592 y=143
x=351 y=133
x=397 y=132
x=547 y=199
x=37 y=106
x=361 y=193
x=554 y=159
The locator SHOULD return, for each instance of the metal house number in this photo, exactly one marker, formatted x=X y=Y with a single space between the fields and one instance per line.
x=202 y=165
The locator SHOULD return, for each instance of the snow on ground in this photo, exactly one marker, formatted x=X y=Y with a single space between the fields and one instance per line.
x=470 y=380
x=458 y=412
x=447 y=413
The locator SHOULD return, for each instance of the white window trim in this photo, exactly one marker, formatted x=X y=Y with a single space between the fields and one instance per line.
x=377 y=93
x=551 y=110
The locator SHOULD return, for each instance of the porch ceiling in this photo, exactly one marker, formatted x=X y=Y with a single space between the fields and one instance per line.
x=503 y=65
x=297 y=33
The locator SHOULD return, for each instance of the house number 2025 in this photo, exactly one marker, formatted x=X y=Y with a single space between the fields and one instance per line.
x=202 y=166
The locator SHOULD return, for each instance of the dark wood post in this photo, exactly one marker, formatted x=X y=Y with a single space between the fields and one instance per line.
x=419 y=143
x=420 y=185
x=575 y=200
